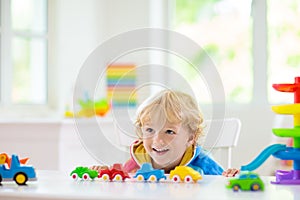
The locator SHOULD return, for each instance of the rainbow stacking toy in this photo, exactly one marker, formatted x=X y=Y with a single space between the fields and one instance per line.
x=281 y=151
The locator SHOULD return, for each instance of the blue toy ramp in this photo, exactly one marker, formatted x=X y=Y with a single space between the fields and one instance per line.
x=266 y=153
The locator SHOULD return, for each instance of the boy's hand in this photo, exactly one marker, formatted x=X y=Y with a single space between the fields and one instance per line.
x=231 y=172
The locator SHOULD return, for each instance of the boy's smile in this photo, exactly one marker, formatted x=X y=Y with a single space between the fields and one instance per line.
x=160 y=151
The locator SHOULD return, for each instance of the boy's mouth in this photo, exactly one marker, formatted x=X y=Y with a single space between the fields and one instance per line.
x=160 y=150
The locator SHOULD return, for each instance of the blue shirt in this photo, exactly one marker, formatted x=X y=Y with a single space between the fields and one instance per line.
x=204 y=163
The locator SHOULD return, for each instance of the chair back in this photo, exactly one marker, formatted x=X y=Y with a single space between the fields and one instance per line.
x=221 y=135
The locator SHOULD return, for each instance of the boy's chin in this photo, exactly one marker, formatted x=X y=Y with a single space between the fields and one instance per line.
x=162 y=163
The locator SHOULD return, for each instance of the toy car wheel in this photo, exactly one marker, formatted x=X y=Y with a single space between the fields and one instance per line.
x=20 y=178
x=176 y=179
x=118 y=177
x=152 y=178
x=255 y=187
x=105 y=177
x=188 y=179
x=140 y=178
x=74 y=176
x=86 y=176
x=236 y=188
x=0 y=179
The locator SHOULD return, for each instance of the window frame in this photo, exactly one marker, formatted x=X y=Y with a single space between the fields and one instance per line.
x=7 y=108
x=5 y=53
x=260 y=52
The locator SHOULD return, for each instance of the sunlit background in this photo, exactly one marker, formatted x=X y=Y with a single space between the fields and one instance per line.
x=222 y=27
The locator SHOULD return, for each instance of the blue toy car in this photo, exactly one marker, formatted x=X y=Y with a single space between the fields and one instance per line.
x=146 y=172
x=17 y=172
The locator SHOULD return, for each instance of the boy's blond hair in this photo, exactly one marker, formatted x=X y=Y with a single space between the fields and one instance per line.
x=173 y=106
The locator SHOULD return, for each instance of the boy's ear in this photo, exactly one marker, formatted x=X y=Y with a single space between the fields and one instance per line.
x=191 y=139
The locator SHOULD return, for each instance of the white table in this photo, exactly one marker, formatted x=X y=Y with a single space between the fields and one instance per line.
x=58 y=185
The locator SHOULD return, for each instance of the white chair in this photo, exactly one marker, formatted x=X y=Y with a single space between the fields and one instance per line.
x=221 y=136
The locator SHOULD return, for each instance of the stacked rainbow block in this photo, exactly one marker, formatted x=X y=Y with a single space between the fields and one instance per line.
x=121 y=83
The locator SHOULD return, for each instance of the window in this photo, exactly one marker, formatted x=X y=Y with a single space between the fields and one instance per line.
x=243 y=176
x=23 y=54
x=283 y=46
x=252 y=42
x=223 y=30
x=253 y=176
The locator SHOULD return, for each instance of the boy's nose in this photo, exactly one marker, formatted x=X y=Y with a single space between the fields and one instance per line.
x=159 y=136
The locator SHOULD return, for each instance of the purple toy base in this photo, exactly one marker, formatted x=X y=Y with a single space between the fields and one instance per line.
x=287 y=177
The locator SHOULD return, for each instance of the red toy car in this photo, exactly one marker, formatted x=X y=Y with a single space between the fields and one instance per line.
x=115 y=173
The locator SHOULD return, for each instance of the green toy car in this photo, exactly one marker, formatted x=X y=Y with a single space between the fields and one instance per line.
x=84 y=173
x=246 y=181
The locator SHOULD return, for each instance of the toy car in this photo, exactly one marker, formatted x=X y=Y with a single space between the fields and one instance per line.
x=115 y=173
x=17 y=172
x=184 y=174
x=246 y=181
x=84 y=173
x=146 y=172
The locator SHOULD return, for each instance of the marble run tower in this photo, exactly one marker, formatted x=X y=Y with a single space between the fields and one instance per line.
x=281 y=151
x=290 y=153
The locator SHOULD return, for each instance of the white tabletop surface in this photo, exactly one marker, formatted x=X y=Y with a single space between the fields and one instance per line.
x=59 y=185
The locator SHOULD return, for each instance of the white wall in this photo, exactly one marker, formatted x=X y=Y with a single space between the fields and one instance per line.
x=75 y=30
x=36 y=139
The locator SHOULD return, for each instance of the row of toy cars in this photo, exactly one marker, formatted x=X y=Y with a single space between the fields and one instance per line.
x=245 y=181
x=145 y=173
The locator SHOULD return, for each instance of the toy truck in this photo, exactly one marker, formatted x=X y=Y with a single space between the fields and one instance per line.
x=17 y=172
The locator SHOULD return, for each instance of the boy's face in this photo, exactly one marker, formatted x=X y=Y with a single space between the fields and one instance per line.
x=165 y=142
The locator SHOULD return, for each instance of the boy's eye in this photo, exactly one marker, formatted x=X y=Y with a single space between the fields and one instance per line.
x=170 y=132
x=149 y=130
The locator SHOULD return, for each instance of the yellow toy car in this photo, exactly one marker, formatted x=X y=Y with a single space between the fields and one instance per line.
x=184 y=174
